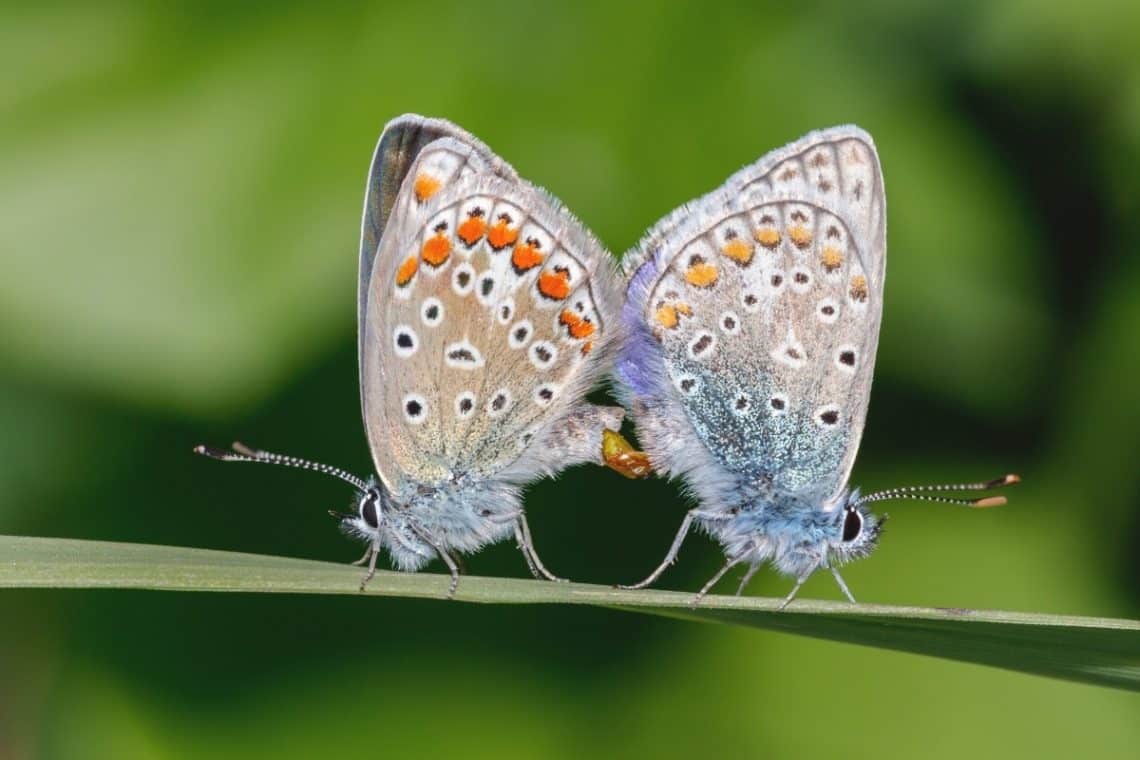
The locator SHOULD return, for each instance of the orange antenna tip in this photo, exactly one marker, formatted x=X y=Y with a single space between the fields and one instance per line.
x=1005 y=480
x=989 y=501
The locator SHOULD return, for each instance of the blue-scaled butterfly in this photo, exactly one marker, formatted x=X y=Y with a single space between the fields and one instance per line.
x=752 y=318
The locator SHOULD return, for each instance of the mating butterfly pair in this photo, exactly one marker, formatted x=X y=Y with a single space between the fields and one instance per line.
x=742 y=339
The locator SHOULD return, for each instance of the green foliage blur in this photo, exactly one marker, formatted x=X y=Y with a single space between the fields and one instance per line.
x=180 y=189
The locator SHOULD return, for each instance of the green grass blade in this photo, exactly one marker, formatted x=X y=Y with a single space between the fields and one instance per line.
x=1093 y=650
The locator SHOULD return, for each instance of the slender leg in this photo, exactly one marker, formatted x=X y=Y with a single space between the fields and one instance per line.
x=747 y=577
x=732 y=562
x=506 y=517
x=373 y=553
x=453 y=567
x=367 y=555
x=843 y=586
x=526 y=546
x=792 y=594
x=521 y=543
x=671 y=557
x=448 y=560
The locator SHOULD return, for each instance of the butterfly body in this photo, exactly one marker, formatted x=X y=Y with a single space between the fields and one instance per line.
x=459 y=518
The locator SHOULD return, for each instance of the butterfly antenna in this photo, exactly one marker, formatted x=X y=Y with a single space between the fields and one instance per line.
x=243 y=453
x=925 y=493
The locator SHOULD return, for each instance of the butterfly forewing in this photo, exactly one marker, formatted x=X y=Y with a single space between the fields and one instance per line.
x=456 y=153
x=766 y=305
x=487 y=314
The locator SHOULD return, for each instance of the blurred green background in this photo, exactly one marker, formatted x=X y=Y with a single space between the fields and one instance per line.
x=180 y=190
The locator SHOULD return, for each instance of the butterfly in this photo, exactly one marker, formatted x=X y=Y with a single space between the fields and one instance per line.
x=486 y=312
x=752 y=319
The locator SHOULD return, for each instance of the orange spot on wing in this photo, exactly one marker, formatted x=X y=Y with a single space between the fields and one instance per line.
x=702 y=275
x=471 y=230
x=407 y=271
x=501 y=235
x=800 y=235
x=525 y=257
x=554 y=284
x=436 y=250
x=859 y=288
x=831 y=258
x=426 y=186
x=575 y=325
x=587 y=347
x=767 y=237
x=738 y=250
x=669 y=315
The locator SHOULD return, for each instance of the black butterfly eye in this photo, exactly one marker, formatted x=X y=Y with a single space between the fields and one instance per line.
x=368 y=511
x=852 y=525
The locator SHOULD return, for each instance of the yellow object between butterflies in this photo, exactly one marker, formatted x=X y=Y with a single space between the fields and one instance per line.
x=622 y=457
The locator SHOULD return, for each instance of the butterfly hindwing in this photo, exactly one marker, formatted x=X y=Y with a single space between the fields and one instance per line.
x=759 y=309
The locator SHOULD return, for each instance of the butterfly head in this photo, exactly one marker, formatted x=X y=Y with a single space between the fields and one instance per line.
x=855 y=532
x=367 y=515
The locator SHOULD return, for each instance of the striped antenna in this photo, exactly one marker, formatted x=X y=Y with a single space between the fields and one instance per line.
x=923 y=493
x=243 y=453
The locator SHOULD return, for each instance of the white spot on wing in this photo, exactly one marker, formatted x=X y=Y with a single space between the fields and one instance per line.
x=730 y=323
x=465 y=405
x=791 y=352
x=463 y=355
x=778 y=404
x=485 y=288
x=499 y=403
x=504 y=311
x=415 y=408
x=847 y=358
x=543 y=354
x=702 y=345
x=686 y=384
x=431 y=312
x=545 y=393
x=827 y=417
x=827 y=310
x=520 y=334
x=463 y=279
x=405 y=342
x=800 y=280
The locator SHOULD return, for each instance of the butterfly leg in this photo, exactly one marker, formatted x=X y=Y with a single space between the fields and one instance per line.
x=373 y=553
x=795 y=589
x=732 y=562
x=526 y=546
x=671 y=557
x=747 y=577
x=372 y=548
x=843 y=586
x=452 y=565
x=521 y=543
x=675 y=549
